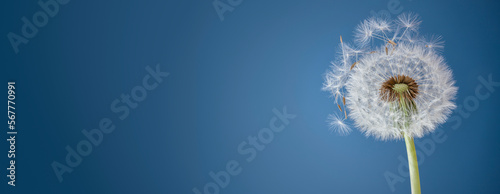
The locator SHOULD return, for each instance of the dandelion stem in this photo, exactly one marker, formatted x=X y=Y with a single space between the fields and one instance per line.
x=412 y=164
x=408 y=107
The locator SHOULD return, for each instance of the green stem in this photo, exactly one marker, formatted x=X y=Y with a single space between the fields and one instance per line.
x=412 y=164
x=408 y=108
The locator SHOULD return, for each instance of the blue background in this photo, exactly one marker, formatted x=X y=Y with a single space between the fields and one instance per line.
x=225 y=79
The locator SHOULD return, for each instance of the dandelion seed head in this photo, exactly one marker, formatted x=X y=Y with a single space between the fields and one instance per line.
x=376 y=81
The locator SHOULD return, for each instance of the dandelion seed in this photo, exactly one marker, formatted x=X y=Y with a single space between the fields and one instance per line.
x=435 y=43
x=352 y=66
x=392 y=42
x=364 y=32
x=410 y=21
x=338 y=125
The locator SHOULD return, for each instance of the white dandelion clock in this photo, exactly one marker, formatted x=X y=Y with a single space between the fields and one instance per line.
x=393 y=85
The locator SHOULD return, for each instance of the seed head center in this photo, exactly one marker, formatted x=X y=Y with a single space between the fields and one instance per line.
x=400 y=88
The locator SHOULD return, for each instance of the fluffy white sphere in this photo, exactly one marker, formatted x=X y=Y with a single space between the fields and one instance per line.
x=357 y=80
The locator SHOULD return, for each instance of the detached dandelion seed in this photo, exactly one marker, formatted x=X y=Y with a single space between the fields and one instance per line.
x=402 y=94
x=338 y=125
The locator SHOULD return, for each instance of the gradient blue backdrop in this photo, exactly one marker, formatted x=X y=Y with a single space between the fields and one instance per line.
x=225 y=78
